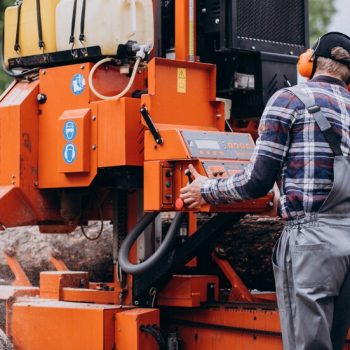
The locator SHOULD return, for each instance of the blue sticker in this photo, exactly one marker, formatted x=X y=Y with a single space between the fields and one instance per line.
x=69 y=153
x=70 y=130
x=78 y=84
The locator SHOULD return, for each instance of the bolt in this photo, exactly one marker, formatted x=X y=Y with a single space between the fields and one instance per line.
x=136 y=302
x=217 y=21
x=291 y=53
x=36 y=183
x=13 y=176
x=204 y=10
x=253 y=47
x=94 y=147
x=44 y=72
x=82 y=67
x=41 y=98
x=93 y=118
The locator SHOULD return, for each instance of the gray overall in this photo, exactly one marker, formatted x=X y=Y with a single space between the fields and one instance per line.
x=311 y=261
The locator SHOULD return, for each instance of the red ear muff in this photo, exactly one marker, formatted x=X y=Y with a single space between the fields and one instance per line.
x=306 y=63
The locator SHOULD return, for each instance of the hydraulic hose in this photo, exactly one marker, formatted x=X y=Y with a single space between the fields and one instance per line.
x=121 y=94
x=136 y=269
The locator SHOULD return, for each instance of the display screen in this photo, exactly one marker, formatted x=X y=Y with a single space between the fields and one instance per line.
x=207 y=144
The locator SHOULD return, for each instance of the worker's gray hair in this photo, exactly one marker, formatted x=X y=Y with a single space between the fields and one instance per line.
x=326 y=65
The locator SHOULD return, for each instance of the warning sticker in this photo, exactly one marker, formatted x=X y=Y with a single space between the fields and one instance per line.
x=181 y=80
x=78 y=84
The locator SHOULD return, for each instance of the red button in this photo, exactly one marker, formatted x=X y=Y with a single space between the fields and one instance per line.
x=179 y=204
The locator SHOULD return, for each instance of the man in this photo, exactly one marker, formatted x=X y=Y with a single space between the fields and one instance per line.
x=304 y=144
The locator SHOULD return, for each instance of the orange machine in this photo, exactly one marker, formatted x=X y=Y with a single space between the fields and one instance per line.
x=68 y=156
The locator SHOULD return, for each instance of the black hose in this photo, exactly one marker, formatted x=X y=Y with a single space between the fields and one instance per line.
x=157 y=335
x=136 y=269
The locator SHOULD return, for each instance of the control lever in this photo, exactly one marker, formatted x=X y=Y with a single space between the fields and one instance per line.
x=152 y=128
x=179 y=203
x=189 y=175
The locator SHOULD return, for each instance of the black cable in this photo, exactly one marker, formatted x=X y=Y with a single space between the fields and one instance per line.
x=157 y=336
x=17 y=47
x=74 y=14
x=41 y=43
x=101 y=227
x=82 y=22
x=161 y=333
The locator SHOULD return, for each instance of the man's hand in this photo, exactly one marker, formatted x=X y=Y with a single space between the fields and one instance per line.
x=191 y=194
x=273 y=212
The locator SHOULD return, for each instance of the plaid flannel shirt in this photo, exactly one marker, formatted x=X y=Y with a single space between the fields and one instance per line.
x=292 y=151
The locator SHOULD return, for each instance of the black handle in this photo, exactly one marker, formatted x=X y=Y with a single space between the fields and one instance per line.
x=147 y=118
x=189 y=175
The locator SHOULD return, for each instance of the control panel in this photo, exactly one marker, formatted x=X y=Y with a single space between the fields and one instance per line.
x=214 y=154
x=222 y=169
x=218 y=145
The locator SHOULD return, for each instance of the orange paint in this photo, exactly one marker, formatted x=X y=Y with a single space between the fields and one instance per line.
x=76 y=145
x=21 y=279
x=127 y=329
x=188 y=291
x=55 y=325
x=239 y=292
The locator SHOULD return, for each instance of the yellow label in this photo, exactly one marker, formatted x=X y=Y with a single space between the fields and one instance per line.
x=181 y=80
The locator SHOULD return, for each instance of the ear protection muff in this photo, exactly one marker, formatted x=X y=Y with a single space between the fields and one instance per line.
x=306 y=63
x=307 y=60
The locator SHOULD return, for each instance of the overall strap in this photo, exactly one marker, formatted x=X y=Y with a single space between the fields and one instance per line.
x=72 y=28
x=326 y=128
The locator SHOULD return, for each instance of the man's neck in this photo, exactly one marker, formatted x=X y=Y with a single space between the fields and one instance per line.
x=328 y=78
x=327 y=74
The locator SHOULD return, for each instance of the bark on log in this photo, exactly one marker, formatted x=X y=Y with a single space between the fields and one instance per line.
x=33 y=251
x=248 y=246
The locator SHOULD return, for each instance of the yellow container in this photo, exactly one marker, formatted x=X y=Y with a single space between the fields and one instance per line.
x=28 y=29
